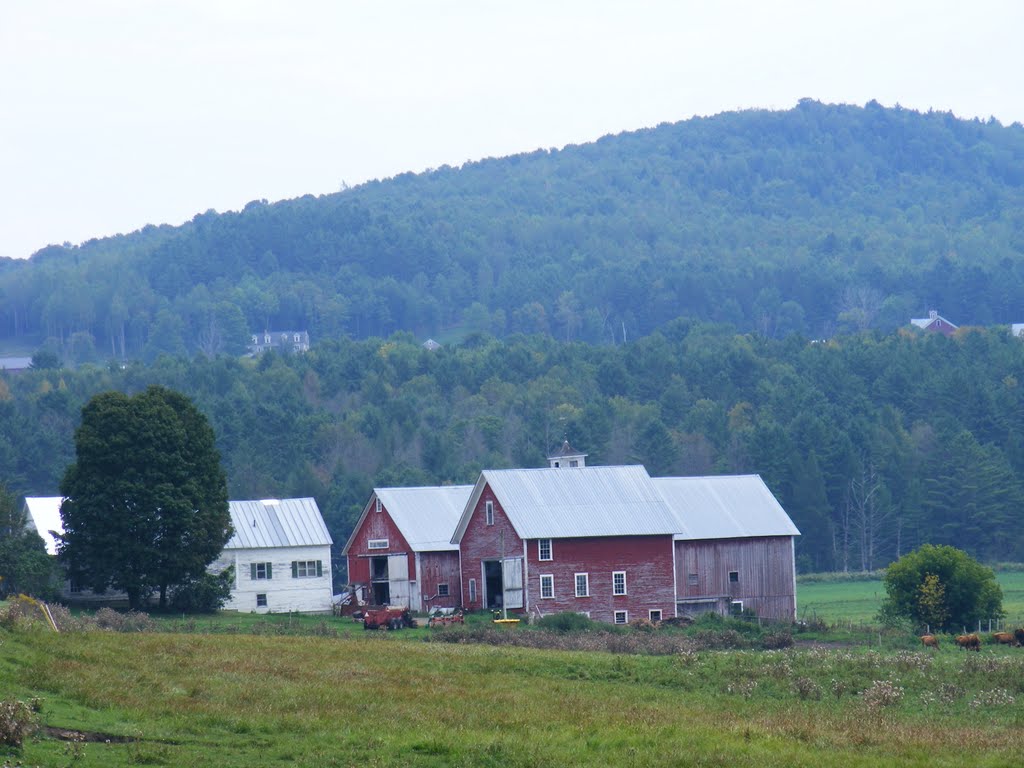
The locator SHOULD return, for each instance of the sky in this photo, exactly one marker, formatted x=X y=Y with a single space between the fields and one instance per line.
x=115 y=114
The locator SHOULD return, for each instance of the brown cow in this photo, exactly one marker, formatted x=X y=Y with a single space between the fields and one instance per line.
x=969 y=642
x=930 y=641
x=1003 y=638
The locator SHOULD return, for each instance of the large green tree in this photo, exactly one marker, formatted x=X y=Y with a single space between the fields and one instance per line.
x=942 y=587
x=146 y=503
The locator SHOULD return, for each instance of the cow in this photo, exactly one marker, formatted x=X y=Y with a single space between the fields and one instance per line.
x=1003 y=638
x=1019 y=635
x=969 y=642
x=930 y=641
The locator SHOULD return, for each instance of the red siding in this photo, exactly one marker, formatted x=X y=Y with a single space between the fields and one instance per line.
x=764 y=569
x=484 y=542
x=376 y=525
x=646 y=560
x=440 y=568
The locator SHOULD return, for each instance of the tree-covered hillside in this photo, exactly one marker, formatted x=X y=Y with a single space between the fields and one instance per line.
x=873 y=443
x=819 y=219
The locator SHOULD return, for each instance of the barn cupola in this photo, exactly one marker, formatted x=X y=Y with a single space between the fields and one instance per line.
x=567 y=456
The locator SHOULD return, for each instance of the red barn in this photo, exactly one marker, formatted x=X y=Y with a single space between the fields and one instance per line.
x=934 y=323
x=400 y=551
x=595 y=540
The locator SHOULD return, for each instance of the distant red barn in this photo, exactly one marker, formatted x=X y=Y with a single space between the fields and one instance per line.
x=400 y=551
x=934 y=323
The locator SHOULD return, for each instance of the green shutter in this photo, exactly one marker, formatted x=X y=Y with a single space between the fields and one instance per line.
x=252 y=571
x=319 y=568
x=295 y=569
x=270 y=571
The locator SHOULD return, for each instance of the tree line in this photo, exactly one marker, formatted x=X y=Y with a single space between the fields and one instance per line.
x=874 y=443
x=818 y=220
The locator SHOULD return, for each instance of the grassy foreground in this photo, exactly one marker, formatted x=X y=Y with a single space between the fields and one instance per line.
x=197 y=700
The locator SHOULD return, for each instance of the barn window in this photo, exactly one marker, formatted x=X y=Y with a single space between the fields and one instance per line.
x=376 y=505
x=655 y=614
x=618 y=582
x=736 y=607
x=734 y=577
x=573 y=463
x=582 y=585
x=547 y=586
x=307 y=569
x=74 y=587
x=260 y=571
x=377 y=544
x=489 y=512
x=472 y=590
x=692 y=579
x=622 y=617
x=261 y=601
x=543 y=549
x=442 y=590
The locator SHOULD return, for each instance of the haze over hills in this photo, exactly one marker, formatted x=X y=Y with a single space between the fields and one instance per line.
x=818 y=219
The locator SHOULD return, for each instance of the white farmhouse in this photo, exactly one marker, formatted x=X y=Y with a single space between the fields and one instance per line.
x=281 y=552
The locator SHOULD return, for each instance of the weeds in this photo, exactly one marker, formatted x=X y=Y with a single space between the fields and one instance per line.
x=17 y=721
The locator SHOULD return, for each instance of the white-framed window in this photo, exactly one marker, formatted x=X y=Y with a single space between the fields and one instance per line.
x=544 y=551
x=489 y=512
x=582 y=585
x=618 y=582
x=377 y=544
x=297 y=338
x=377 y=506
x=261 y=571
x=261 y=600
x=307 y=569
x=472 y=590
x=442 y=590
x=734 y=577
x=654 y=614
x=547 y=586
x=736 y=607
x=621 y=617
x=266 y=338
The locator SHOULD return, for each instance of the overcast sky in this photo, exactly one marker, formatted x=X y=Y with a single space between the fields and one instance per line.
x=119 y=113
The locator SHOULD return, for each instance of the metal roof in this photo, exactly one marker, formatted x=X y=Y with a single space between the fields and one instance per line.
x=724 y=507
x=426 y=516
x=577 y=501
x=277 y=523
x=44 y=512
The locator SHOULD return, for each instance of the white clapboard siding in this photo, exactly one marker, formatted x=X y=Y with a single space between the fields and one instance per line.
x=283 y=590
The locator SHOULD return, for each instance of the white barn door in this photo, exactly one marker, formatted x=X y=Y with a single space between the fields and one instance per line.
x=512 y=578
x=398 y=579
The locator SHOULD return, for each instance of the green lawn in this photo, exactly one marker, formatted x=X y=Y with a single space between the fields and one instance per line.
x=217 y=700
x=841 y=602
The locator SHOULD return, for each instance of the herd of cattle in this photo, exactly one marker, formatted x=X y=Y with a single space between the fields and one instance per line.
x=972 y=642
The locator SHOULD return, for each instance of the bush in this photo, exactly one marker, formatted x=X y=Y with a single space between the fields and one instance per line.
x=207 y=594
x=129 y=621
x=17 y=721
x=567 y=622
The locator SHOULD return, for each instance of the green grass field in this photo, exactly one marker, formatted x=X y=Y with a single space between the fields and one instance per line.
x=857 y=602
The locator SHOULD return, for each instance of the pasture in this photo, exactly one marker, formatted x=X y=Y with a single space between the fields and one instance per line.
x=243 y=700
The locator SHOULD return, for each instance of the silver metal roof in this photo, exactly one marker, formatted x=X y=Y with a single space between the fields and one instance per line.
x=426 y=516
x=578 y=501
x=44 y=514
x=277 y=523
x=724 y=507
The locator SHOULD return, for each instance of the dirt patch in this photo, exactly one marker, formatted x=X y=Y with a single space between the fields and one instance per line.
x=67 y=734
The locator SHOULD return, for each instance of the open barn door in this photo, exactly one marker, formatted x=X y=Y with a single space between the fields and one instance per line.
x=512 y=577
x=398 y=580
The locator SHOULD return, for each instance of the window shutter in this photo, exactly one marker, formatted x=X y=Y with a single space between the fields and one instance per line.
x=252 y=571
x=295 y=569
x=319 y=568
x=270 y=569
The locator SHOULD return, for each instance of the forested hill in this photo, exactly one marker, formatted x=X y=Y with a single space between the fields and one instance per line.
x=815 y=220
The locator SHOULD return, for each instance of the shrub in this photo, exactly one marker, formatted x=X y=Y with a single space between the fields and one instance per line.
x=129 y=621
x=566 y=622
x=806 y=688
x=207 y=594
x=882 y=693
x=17 y=721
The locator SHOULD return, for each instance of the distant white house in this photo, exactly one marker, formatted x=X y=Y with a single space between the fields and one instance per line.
x=281 y=552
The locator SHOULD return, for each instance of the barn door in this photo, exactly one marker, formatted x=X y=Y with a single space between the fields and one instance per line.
x=398 y=579
x=512 y=577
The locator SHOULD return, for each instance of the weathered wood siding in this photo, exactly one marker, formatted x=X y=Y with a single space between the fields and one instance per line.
x=646 y=560
x=483 y=542
x=764 y=567
x=283 y=591
x=438 y=568
x=376 y=525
